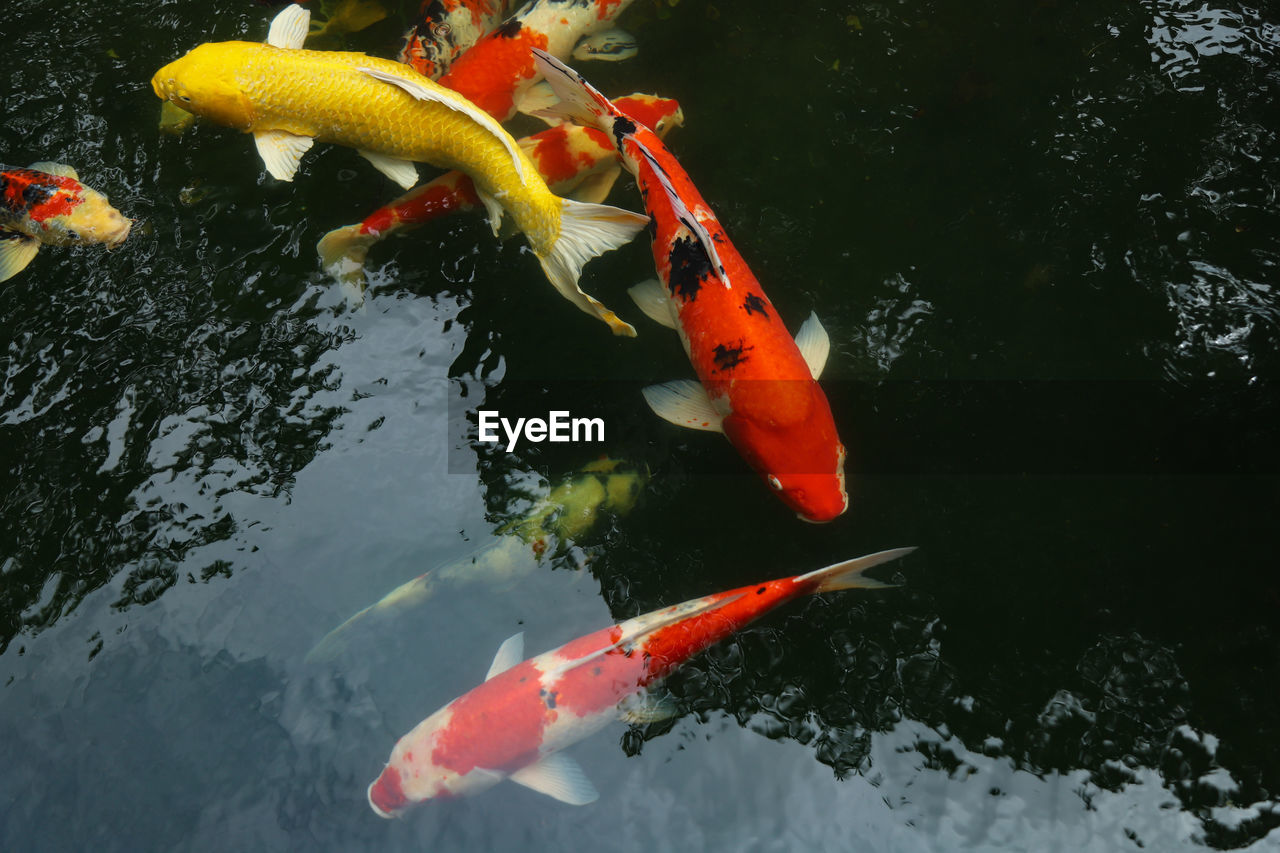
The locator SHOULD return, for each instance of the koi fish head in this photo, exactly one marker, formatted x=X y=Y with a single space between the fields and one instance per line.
x=204 y=83
x=413 y=775
x=94 y=220
x=784 y=430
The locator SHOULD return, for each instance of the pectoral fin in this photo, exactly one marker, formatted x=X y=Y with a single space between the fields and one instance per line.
x=651 y=298
x=16 y=251
x=558 y=776
x=814 y=344
x=289 y=29
x=611 y=46
x=57 y=168
x=494 y=210
x=594 y=189
x=282 y=151
x=648 y=708
x=685 y=403
x=510 y=653
x=539 y=96
x=402 y=172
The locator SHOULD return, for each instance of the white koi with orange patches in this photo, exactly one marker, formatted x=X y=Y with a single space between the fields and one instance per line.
x=514 y=725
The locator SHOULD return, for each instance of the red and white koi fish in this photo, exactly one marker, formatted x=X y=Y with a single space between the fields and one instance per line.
x=445 y=29
x=514 y=725
x=578 y=162
x=498 y=74
x=46 y=203
x=757 y=385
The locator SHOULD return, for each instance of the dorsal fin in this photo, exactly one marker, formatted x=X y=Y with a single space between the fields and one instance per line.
x=510 y=653
x=458 y=104
x=289 y=29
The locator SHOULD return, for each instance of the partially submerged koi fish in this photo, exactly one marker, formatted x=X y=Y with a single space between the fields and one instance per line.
x=445 y=29
x=288 y=98
x=575 y=161
x=563 y=517
x=498 y=74
x=514 y=724
x=757 y=385
x=46 y=203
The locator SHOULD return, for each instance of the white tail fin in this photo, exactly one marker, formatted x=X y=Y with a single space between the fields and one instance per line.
x=848 y=575
x=587 y=230
x=579 y=100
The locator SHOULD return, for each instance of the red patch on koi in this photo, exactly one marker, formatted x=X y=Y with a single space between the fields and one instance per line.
x=497 y=726
x=603 y=12
x=489 y=73
x=386 y=792
x=554 y=158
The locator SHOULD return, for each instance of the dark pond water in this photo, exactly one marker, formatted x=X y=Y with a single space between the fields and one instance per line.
x=1043 y=238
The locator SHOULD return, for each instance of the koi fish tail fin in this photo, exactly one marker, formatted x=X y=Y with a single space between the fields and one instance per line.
x=579 y=100
x=849 y=574
x=342 y=252
x=587 y=230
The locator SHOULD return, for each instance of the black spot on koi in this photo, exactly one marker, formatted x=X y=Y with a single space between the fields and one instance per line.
x=548 y=697
x=622 y=127
x=690 y=264
x=729 y=356
x=509 y=29
x=753 y=304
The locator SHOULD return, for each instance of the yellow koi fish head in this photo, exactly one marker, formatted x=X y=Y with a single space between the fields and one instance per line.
x=205 y=83
x=94 y=220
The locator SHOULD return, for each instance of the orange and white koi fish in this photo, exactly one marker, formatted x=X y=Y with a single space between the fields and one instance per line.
x=514 y=725
x=446 y=29
x=757 y=385
x=498 y=74
x=575 y=161
x=288 y=98
x=46 y=203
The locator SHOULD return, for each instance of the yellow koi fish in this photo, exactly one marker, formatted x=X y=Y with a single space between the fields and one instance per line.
x=288 y=98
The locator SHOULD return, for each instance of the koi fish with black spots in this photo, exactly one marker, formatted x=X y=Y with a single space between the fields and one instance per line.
x=446 y=29
x=288 y=98
x=575 y=161
x=498 y=74
x=514 y=725
x=757 y=385
x=46 y=203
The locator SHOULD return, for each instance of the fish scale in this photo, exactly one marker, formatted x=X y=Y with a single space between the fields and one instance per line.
x=289 y=98
x=327 y=96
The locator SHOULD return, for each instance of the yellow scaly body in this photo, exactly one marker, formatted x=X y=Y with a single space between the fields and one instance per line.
x=287 y=97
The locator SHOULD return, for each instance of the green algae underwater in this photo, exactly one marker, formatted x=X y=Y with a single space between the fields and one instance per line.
x=1042 y=240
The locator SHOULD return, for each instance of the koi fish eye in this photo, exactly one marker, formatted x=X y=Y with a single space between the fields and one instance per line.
x=775 y=483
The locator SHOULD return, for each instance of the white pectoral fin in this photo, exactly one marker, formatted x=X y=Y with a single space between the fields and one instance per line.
x=611 y=46
x=57 y=168
x=685 y=403
x=282 y=151
x=649 y=707
x=594 y=189
x=16 y=251
x=454 y=102
x=402 y=172
x=558 y=776
x=289 y=29
x=493 y=208
x=510 y=653
x=536 y=98
x=651 y=298
x=814 y=344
